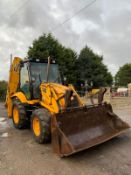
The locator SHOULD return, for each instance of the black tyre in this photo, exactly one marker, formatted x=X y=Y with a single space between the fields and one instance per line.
x=41 y=125
x=19 y=115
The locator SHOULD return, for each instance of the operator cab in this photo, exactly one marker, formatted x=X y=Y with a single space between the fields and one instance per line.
x=34 y=72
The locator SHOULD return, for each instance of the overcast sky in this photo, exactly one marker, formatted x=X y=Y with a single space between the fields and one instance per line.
x=105 y=26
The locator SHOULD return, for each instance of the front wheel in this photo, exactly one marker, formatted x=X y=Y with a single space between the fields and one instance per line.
x=19 y=115
x=41 y=125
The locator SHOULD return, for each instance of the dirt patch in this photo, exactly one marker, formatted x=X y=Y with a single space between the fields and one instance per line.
x=21 y=155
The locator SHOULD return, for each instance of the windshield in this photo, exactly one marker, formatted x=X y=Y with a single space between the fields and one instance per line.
x=39 y=72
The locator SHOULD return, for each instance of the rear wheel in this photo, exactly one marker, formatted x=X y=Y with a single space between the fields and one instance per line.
x=41 y=125
x=19 y=114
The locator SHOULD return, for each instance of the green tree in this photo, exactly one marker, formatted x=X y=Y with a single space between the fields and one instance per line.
x=47 y=45
x=90 y=67
x=123 y=76
x=3 y=89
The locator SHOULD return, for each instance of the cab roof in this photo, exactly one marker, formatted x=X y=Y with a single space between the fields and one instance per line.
x=37 y=60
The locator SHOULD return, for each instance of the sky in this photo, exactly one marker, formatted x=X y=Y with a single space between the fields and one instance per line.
x=104 y=26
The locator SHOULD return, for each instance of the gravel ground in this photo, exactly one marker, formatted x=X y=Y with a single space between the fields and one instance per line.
x=21 y=155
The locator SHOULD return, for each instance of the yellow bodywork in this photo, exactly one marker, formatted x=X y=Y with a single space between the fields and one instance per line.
x=23 y=98
x=92 y=92
x=14 y=76
x=52 y=94
x=73 y=126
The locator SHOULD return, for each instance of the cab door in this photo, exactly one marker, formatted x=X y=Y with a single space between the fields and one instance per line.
x=24 y=81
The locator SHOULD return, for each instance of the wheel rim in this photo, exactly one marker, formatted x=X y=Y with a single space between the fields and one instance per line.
x=36 y=126
x=16 y=115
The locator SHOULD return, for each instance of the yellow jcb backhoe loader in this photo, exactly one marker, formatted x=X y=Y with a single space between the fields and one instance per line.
x=36 y=96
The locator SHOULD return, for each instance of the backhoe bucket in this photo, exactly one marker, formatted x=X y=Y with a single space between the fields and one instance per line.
x=84 y=127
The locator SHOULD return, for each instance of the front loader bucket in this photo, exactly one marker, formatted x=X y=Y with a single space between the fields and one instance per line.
x=84 y=127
